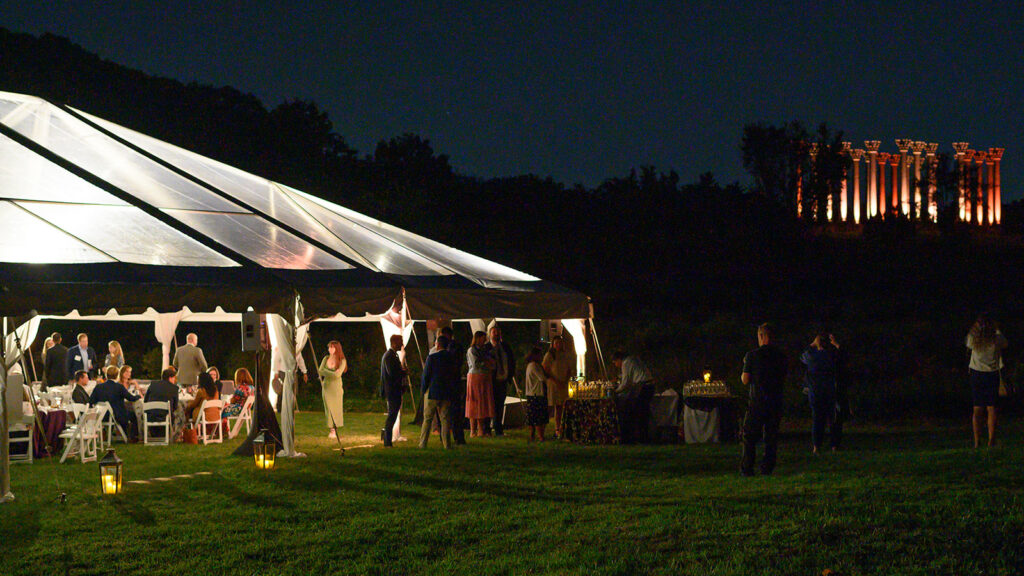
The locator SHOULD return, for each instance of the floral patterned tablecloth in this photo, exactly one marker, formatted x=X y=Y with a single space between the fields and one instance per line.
x=591 y=421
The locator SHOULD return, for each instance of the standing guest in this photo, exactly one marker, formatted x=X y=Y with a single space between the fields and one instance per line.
x=504 y=371
x=244 y=388
x=206 y=391
x=81 y=357
x=536 y=396
x=115 y=356
x=457 y=411
x=633 y=396
x=116 y=395
x=78 y=394
x=559 y=366
x=392 y=384
x=189 y=361
x=437 y=385
x=820 y=359
x=331 y=369
x=764 y=371
x=166 y=390
x=54 y=365
x=479 y=396
x=47 y=344
x=987 y=344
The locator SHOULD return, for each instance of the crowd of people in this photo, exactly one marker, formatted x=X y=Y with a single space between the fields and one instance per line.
x=189 y=375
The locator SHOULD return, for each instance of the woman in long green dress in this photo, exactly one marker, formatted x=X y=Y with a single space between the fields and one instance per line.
x=331 y=368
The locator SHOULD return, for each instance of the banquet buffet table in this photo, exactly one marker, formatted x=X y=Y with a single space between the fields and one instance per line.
x=710 y=413
x=591 y=421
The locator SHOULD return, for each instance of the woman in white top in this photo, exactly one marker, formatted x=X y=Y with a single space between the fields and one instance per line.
x=536 y=395
x=987 y=344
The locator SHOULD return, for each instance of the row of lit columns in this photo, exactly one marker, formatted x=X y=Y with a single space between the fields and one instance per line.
x=980 y=198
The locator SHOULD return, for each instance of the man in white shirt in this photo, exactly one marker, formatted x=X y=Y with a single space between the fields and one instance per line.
x=633 y=396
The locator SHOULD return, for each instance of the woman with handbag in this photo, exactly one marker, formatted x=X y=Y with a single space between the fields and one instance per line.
x=986 y=343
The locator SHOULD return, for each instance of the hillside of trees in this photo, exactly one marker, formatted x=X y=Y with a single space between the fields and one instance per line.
x=680 y=271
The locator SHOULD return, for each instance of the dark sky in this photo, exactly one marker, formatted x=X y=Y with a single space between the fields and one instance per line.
x=583 y=91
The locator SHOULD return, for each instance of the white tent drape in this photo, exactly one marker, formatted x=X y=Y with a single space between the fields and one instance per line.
x=165 y=325
x=282 y=360
x=396 y=321
x=26 y=334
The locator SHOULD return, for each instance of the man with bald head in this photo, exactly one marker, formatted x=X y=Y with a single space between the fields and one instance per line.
x=189 y=362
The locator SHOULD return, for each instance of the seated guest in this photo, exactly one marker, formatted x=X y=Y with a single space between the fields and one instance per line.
x=243 y=389
x=166 y=390
x=79 y=395
x=633 y=396
x=214 y=373
x=206 y=391
x=114 y=394
x=124 y=378
x=536 y=395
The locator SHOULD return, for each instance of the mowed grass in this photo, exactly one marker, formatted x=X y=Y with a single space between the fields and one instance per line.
x=898 y=501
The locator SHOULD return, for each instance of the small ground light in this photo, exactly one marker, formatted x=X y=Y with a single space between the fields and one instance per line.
x=263 y=452
x=111 y=473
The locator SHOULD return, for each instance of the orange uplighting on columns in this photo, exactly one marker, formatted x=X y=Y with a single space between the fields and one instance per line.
x=856 y=155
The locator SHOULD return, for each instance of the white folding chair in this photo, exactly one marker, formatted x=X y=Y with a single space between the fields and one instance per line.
x=78 y=409
x=24 y=436
x=165 y=423
x=110 y=425
x=244 y=416
x=85 y=438
x=216 y=435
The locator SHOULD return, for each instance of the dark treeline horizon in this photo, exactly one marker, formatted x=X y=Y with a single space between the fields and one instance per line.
x=680 y=270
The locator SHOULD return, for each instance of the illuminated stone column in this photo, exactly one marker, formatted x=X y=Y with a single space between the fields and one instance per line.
x=904 y=147
x=996 y=154
x=883 y=160
x=843 y=208
x=813 y=152
x=894 y=205
x=960 y=148
x=856 y=155
x=990 y=206
x=979 y=204
x=969 y=196
x=872 y=203
x=931 y=165
x=917 y=148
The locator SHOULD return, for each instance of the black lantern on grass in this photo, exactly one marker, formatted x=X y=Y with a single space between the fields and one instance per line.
x=111 y=473
x=263 y=451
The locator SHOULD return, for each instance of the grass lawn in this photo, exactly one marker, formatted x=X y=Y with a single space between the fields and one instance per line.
x=898 y=501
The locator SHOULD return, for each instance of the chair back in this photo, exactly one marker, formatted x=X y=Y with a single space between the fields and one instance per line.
x=89 y=425
x=227 y=388
x=164 y=405
x=156 y=423
x=209 y=425
x=211 y=410
x=78 y=409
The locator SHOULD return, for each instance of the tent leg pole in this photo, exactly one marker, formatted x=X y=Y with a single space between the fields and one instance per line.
x=597 y=348
x=5 y=447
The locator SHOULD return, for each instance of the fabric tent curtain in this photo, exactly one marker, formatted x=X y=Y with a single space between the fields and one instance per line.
x=165 y=326
x=26 y=334
x=301 y=339
x=396 y=321
x=282 y=359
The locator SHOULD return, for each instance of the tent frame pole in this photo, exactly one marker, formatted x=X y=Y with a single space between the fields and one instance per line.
x=5 y=447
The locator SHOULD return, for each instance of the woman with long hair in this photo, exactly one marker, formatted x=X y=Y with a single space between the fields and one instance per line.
x=986 y=343
x=558 y=367
x=115 y=356
x=479 y=394
x=331 y=369
x=536 y=395
x=124 y=378
x=205 y=391
x=243 y=389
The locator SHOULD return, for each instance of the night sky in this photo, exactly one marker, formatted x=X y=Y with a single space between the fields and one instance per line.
x=584 y=91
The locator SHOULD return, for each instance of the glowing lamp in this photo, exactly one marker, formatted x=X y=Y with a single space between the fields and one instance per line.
x=707 y=376
x=572 y=389
x=264 y=452
x=111 y=472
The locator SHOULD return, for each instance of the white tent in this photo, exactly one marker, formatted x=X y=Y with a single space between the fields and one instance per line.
x=102 y=222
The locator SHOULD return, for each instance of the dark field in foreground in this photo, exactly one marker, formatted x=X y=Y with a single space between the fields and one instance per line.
x=902 y=500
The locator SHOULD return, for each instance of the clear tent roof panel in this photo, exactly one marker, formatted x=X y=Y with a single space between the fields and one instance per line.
x=76 y=141
x=465 y=264
x=259 y=240
x=127 y=234
x=383 y=253
x=20 y=237
x=25 y=175
x=253 y=190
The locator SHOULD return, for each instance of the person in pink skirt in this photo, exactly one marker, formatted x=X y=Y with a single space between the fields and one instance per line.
x=479 y=394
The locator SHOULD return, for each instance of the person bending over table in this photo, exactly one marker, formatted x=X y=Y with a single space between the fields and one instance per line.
x=115 y=395
x=633 y=396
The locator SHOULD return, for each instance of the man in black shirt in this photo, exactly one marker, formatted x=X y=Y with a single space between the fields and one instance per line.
x=457 y=406
x=54 y=369
x=764 y=370
x=392 y=384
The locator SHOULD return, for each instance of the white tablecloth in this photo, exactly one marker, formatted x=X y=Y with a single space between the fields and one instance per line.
x=700 y=426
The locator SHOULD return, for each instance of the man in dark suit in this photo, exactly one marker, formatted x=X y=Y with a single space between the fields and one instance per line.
x=54 y=366
x=457 y=404
x=437 y=385
x=115 y=394
x=392 y=383
x=165 y=390
x=79 y=395
x=82 y=357
x=504 y=371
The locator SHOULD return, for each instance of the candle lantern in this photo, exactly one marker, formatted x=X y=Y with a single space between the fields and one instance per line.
x=707 y=376
x=111 y=472
x=264 y=451
x=572 y=388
